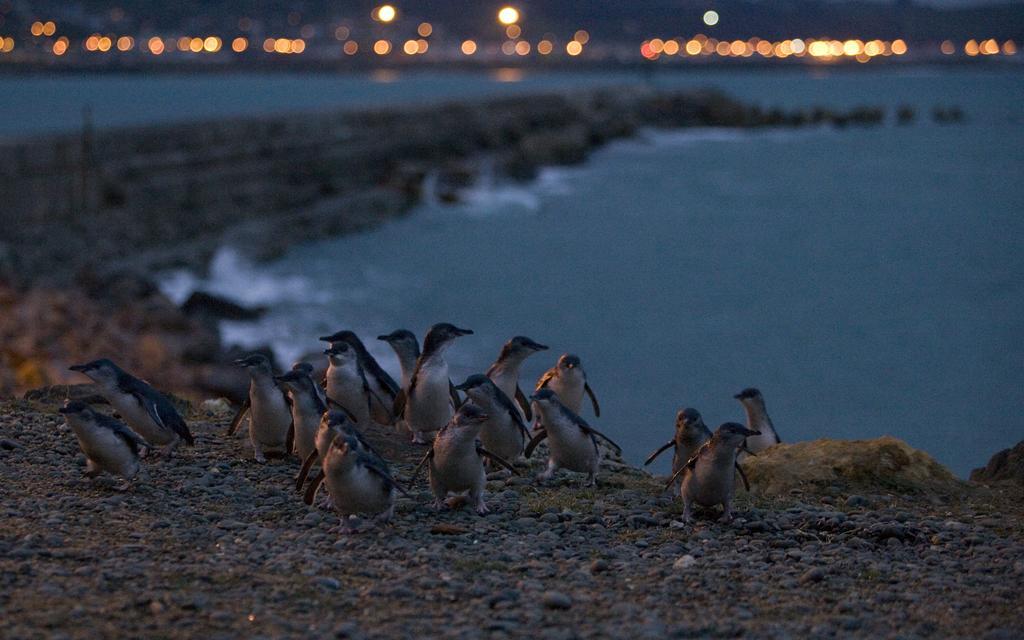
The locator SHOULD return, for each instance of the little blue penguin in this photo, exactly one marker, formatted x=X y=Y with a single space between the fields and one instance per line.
x=359 y=484
x=334 y=423
x=757 y=420
x=505 y=370
x=709 y=477
x=270 y=416
x=108 y=444
x=407 y=348
x=571 y=441
x=691 y=434
x=568 y=379
x=346 y=384
x=146 y=410
x=429 y=402
x=504 y=433
x=455 y=460
x=307 y=409
x=383 y=387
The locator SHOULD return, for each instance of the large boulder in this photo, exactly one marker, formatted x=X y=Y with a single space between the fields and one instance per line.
x=882 y=464
x=1005 y=466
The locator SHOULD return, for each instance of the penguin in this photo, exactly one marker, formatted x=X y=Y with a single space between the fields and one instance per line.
x=429 y=402
x=572 y=442
x=359 y=484
x=407 y=348
x=270 y=416
x=708 y=478
x=108 y=444
x=691 y=434
x=146 y=410
x=307 y=408
x=757 y=420
x=332 y=424
x=505 y=370
x=455 y=460
x=504 y=433
x=568 y=379
x=309 y=370
x=383 y=386
x=346 y=384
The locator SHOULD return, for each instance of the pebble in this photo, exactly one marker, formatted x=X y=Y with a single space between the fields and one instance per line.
x=812 y=575
x=556 y=600
x=331 y=584
x=684 y=562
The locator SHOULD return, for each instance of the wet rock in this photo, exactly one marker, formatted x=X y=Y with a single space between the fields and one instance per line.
x=556 y=600
x=207 y=305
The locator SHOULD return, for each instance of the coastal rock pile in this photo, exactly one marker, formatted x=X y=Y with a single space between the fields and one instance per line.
x=883 y=462
x=1005 y=466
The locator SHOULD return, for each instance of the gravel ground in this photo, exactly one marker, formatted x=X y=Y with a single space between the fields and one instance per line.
x=214 y=544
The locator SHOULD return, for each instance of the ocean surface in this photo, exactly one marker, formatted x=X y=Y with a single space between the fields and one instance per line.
x=869 y=281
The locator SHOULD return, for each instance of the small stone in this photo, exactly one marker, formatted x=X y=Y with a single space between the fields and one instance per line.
x=856 y=501
x=556 y=600
x=444 y=529
x=599 y=565
x=812 y=575
x=684 y=562
x=331 y=584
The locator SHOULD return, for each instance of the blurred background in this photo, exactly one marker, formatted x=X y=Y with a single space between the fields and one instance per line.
x=818 y=198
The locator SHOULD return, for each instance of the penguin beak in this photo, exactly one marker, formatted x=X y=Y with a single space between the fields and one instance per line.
x=384 y=338
x=536 y=346
x=748 y=433
x=81 y=368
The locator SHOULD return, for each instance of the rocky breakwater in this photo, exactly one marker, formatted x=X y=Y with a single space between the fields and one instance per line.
x=86 y=218
x=214 y=544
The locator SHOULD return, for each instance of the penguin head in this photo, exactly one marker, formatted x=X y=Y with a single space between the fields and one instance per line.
x=689 y=418
x=545 y=398
x=750 y=394
x=77 y=409
x=340 y=353
x=102 y=370
x=341 y=336
x=256 y=362
x=568 y=362
x=441 y=335
x=402 y=341
x=521 y=345
x=733 y=434
x=304 y=367
x=294 y=380
x=470 y=415
x=478 y=387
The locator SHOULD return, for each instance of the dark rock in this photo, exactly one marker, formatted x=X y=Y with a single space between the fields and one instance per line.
x=556 y=600
x=208 y=305
x=1005 y=466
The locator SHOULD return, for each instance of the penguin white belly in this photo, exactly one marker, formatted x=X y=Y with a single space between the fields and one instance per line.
x=767 y=438
x=269 y=420
x=502 y=437
x=108 y=451
x=457 y=467
x=707 y=483
x=569 y=389
x=430 y=406
x=571 y=448
x=358 y=491
x=306 y=427
x=136 y=416
x=346 y=388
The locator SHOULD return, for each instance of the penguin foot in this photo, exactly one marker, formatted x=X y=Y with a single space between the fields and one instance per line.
x=481 y=508
x=260 y=458
x=91 y=473
x=440 y=504
x=124 y=486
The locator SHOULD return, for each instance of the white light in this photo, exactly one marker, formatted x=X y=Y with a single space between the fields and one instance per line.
x=711 y=18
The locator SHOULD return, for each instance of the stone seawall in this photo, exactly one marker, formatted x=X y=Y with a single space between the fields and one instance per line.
x=169 y=195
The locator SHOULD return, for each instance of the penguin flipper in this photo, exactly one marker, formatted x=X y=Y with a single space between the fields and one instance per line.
x=314 y=487
x=496 y=458
x=454 y=393
x=593 y=399
x=304 y=471
x=675 y=475
x=524 y=403
x=379 y=467
x=399 y=407
x=121 y=430
x=743 y=476
x=237 y=420
x=289 y=440
x=594 y=432
x=415 y=472
x=660 y=451
x=533 y=443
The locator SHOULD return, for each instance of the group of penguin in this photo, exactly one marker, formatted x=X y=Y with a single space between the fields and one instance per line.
x=469 y=428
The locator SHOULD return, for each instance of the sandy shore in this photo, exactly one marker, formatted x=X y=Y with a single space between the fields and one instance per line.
x=218 y=546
